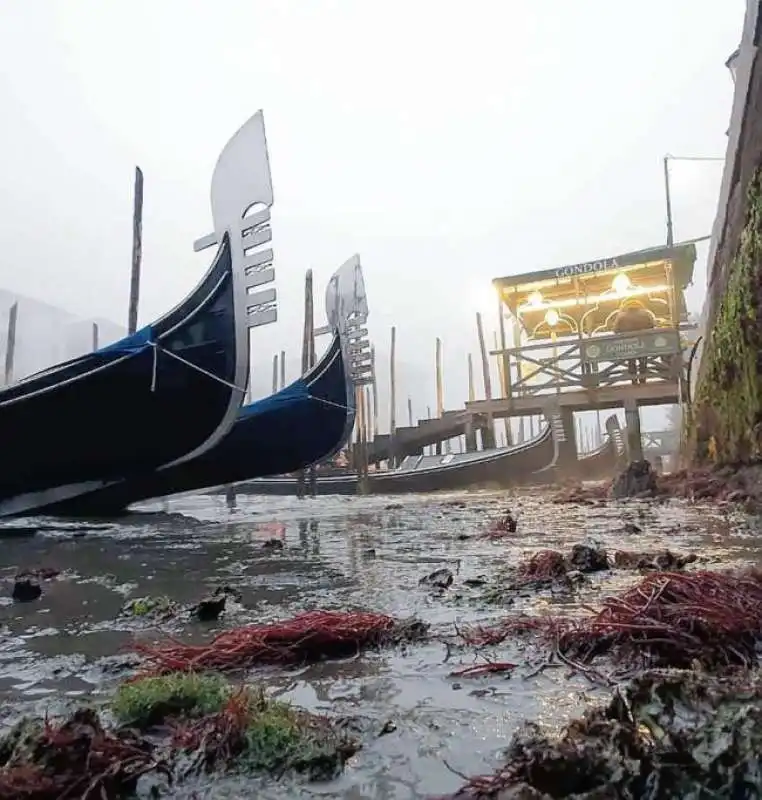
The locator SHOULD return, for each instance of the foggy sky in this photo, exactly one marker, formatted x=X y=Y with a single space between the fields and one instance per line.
x=447 y=143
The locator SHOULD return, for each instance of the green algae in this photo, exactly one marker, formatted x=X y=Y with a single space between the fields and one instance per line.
x=151 y=700
x=727 y=414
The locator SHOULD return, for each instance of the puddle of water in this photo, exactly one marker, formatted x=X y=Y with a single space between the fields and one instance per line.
x=367 y=553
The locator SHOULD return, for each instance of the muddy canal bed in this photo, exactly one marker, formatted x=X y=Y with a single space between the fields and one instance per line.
x=283 y=557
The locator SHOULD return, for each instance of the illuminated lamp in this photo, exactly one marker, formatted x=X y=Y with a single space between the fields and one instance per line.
x=535 y=299
x=552 y=317
x=621 y=283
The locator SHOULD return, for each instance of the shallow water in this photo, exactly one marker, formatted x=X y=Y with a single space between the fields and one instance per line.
x=367 y=553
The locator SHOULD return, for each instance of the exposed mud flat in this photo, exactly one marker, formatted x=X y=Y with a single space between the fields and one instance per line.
x=71 y=645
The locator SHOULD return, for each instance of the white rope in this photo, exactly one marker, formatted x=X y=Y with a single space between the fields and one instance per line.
x=190 y=364
x=330 y=403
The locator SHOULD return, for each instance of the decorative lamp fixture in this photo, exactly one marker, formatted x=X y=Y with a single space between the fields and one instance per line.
x=621 y=284
x=535 y=299
x=552 y=317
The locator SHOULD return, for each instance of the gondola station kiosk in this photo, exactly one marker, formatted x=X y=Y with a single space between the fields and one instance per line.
x=611 y=333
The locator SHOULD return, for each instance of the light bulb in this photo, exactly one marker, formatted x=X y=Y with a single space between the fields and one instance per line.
x=535 y=299
x=552 y=317
x=621 y=283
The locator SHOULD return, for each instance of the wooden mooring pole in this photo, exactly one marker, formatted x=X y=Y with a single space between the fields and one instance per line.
x=282 y=369
x=375 y=390
x=490 y=430
x=275 y=373
x=393 y=398
x=10 y=343
x=439 y=386
x=305 y=477
x=95 y=336
x=137 y=252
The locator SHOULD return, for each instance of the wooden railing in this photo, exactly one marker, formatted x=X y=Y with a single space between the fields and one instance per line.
x=593 y=362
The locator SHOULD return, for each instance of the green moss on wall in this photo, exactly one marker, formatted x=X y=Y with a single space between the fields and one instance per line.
x=727 y=414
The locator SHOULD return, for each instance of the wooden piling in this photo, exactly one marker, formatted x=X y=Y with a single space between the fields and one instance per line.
x=393 y=398
x=490 y=429
x=471 y=386
x=410 y=411
x=282 y=369
x=95 y=336
x=305 y=476
x=137 y=252
x=275 y=373
x=10 y=343
x=439 y=387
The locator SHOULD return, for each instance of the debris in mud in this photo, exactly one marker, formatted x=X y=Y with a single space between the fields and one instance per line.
x=26 y=590
x=439 y=579
x=161 y=607
x=211 y=725
x=638 y=479
x=590 y=494
x=546 y=569
x=665 y=734
x=311 y=636
x=77 y=758
x=670 y=619
x=38 y=573
x=664 y=560
x=507 y=523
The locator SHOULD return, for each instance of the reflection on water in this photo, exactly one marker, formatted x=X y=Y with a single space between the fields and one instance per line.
x=343 y=553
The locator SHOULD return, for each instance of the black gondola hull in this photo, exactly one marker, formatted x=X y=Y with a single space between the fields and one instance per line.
x=136 y=405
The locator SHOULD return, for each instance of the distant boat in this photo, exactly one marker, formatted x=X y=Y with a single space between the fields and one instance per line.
x=303 y=423
x=500 y=466
x=532 y=462
x=166 y=394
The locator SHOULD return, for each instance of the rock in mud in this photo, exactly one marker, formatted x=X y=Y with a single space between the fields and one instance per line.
x=26 y=590
x=209 y=609
x=272 y=544
x=637 y=480
x=439 y=579
x=587 y=558
x=38 y=573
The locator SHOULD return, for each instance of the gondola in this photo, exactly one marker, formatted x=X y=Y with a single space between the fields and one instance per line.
x=162 y=396
x=501 y=466
x=602 y=462
x=303 y=423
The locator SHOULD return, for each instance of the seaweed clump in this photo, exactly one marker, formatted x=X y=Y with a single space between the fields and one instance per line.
x=666 y=734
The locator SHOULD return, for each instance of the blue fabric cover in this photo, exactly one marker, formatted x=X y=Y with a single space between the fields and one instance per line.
x=130 y=344
x=293 y=393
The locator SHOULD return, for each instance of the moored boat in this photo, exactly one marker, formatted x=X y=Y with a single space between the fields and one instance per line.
x=165 y=394
x=303 y=423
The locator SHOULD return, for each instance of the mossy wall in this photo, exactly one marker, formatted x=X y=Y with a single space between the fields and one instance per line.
x=727 y=412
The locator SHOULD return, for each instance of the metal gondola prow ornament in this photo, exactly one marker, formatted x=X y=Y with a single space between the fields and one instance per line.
x=242 y=196
x=346 y=307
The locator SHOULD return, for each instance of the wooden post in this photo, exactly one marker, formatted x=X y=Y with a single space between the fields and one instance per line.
x=503 y=387
x=137 y=252
x=439 y=387
x=305 y=477
x=275 y=373
x=428 y=416
x=375 y=390
x=470 y=432
x=393 y=398
x=410 y=411
x=10 y=346
x=95 y=336
x=282 y=369
x=471 y=386
x=368 y=421
x=490 y=429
